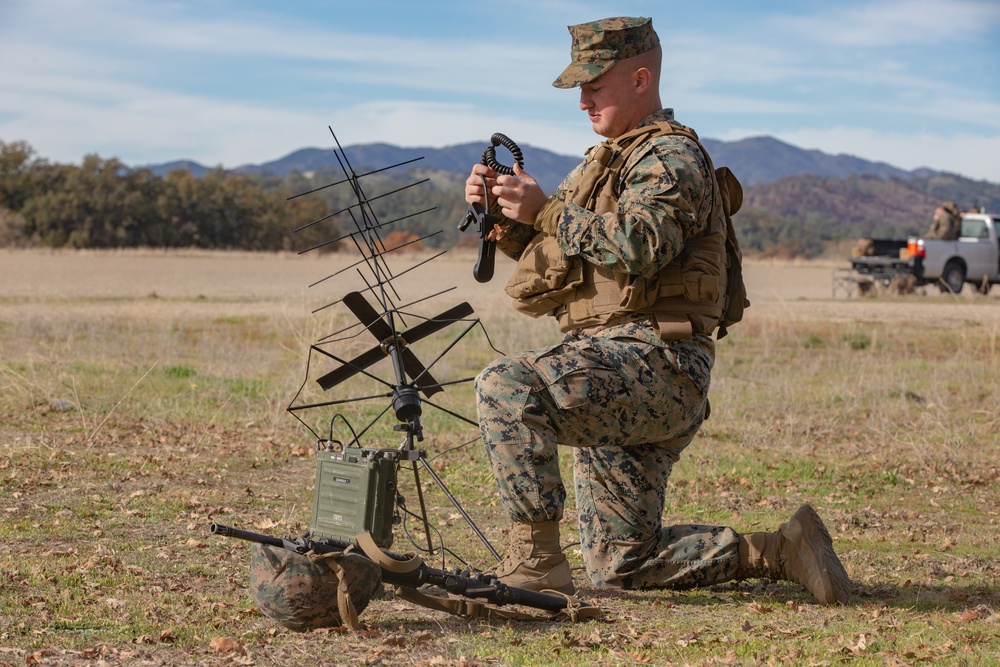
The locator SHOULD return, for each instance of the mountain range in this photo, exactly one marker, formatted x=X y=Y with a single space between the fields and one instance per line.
x=754 y=160
x=796 y=202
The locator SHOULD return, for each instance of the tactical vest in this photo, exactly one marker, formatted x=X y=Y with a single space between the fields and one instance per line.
x=699 y=290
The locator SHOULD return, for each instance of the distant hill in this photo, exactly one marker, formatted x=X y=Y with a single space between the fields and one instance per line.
x=547 y=167
x=755 y=160
x=797 y=203
x=197 y=170
x=765 y=159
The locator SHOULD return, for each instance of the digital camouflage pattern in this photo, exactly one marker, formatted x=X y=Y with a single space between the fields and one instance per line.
x=630 y=404
x=598 y=45
x=650 y=218
x=666 y=199
x=627 y=400
x=302 y=594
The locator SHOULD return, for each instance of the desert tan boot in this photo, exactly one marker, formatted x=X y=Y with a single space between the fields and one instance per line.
x=801 y=551
x=535 y=561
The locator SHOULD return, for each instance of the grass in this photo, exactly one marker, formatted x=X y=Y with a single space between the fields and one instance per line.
x=122 y=438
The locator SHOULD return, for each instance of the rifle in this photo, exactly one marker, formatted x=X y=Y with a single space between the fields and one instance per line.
x=412 y=575
x=479 y=214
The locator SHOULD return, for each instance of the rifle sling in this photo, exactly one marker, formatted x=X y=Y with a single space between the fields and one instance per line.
x=472 y=609
x=385 y=562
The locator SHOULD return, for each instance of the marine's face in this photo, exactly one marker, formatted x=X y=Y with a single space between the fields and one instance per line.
x=611 y=102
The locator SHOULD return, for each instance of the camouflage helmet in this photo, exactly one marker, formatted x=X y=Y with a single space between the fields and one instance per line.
x=600 y=44
x=304 y=594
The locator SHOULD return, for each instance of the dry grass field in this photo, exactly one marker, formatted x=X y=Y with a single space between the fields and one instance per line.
x=143 y=395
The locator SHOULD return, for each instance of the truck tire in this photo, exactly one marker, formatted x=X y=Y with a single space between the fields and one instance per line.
x=953 y=277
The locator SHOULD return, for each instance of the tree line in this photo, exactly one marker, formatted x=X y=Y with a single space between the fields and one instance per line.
x=102 y=203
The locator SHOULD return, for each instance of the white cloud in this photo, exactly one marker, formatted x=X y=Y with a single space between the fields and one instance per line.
x=894 y=23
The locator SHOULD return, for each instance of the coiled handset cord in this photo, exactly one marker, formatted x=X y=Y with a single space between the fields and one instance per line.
x=490 y=154
x=483 y=270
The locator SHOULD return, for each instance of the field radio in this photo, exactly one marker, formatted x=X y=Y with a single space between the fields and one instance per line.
x=355 y=493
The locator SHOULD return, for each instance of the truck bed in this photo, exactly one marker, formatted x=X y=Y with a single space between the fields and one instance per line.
x=882 y=266
x=885 y=247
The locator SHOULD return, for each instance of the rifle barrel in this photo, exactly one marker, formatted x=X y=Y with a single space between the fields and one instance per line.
x=229 y=531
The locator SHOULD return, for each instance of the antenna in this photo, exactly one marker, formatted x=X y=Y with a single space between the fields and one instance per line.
x=377 y=307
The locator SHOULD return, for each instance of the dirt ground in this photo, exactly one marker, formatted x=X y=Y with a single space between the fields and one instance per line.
x=55 y=284
x=914 y=513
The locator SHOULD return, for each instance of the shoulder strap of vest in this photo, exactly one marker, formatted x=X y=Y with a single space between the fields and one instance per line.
x=613 y=155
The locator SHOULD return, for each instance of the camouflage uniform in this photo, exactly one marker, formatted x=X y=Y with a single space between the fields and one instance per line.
x=947 y=224
x=628 y=401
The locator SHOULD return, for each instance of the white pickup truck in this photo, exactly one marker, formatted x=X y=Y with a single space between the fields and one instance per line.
x=973 y=258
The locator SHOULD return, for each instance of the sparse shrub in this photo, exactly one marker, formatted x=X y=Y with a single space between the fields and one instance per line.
x=181 y=371
x=858 y=340
x=812 y=341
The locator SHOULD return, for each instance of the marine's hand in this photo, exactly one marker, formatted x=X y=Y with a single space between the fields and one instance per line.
x=474 y=184
x=520 y=197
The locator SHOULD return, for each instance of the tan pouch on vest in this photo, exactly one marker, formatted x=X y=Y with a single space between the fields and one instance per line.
x=544 y=274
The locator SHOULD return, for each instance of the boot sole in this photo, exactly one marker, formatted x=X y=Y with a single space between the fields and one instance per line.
x=819 y=540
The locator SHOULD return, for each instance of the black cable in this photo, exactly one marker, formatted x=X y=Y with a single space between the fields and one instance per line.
x=490 y=154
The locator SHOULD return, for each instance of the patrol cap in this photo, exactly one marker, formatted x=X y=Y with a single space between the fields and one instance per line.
x=600 y=44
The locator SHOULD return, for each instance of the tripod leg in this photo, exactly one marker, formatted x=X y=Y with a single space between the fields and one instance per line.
x=461 y=510
x=423 y=509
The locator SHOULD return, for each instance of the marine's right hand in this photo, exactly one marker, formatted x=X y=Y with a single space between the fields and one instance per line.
x=474 y=184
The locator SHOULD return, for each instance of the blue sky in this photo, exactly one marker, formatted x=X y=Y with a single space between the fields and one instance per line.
x=227 y=82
